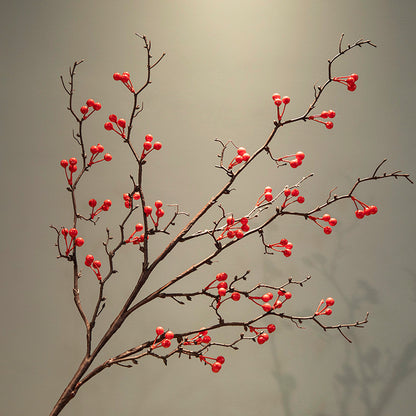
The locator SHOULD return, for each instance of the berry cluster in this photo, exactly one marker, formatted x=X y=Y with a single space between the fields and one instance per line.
x=267 y=297
x=326 y=310
x=279 y=101
x=324 y=115
x=233 y=229
x=294 y=163
x=261 y=335
x=266 y=196
x=348 y=80
x=133 y=239
x=283 y=246
x=119 y=123
x=125 y=79
x=292 y=196
x=148 y=147
x=218 y=362
x=201 y=338
x=242 y=156
x=94 y=265
x=365 y=209
x=159 y=212
x=72 y=168
x=104 y=207
x=326 y=218
x=91 y=104
x=73 y=232
x=95 y=151
x=128 y=199
x=165 y=342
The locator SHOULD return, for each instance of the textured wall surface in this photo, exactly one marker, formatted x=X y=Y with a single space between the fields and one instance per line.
x=224 y=60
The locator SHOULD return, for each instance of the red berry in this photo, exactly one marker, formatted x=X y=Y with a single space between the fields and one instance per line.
x=169 y=335
x=300 y=155
x=126 y=197
x=278 y=102
x=96 y=264
x=89 y=258
x=107 y=203
x=246 y=157
x=139 y=227
x=283 y=241
x=230 y=234
x=147 y=145
x=159 y=330
x=261 y=339
x=220 y=359
x=278 y=304
x=125 y=76
x=350 y=81
x=295 y=192
x=324 y=114
x=147 y=210
x=221 y=276
x=64 y=163
x=328 y=311
x=84 y=109
x=72 y=168
x=79 y=242
x=121 y=122
x=268 y=196
x=327 y=230
x=100 y=148
x=107 y=157
x=266 y=297
x=239 y=234
x=288 y=295
x=244 y=220
x=206 y=339
x=329 y=124
x=216 y=367
x=287 y=192
x=64 y=232
x=157 y=146
x=301 y=199
x=222 y=291
x=127 y=204
x=93 y=150
x=136 y=196
x=326 y=217
x=113 y=118
x=235 y=296
x=355 y=77
x=166 y=343
x=97 y=106
x=329 y=301
x=294 y=163
x=245 y=227
x=160 y=213
x=367 y=211
x=289 y=246
x=117 y=76
x=148 y=138
x=333 y=221
x=275 y=96
x=73 y=161
x=158 y=204
x=359 y=213
x=286 y=100
x=331 y=113
x=222 y=285
x=241 y=151
x=238 y=159
x=230 y=220
x=267 y=307
x=287 y=252
x=73 y=232
x=352 y=87
x=90 y=102
x=108 y=126
x=373 y=209
x=92 y=203
x=271 y=328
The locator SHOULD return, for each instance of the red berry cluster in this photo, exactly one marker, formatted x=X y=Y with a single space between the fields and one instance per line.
x=218 y=362
x=133 y=239
x=326 y=310
x=201 y=338
x=292 y=196
x=104 y=207
x=348 y=80
x=364 y=210
x=233 y=229
x=95 y=151
x=279 y=101
x=165 y=342
x=267 y=297
x=324 y=115
x=73 y=232
x=262 y=336
x=283 y=246
x=242 y=156
x=148 y=147
x=119 y=123
x=294 y=163
x=94 y=265
x=125 y=79
x=159 y=212
x=128 y=199
x=91 y=104
x=72 y=168
x=326 y=218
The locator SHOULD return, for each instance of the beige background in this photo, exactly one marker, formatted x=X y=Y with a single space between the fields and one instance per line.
x=224 y=60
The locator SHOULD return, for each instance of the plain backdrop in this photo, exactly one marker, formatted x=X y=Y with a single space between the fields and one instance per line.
x=224 y=60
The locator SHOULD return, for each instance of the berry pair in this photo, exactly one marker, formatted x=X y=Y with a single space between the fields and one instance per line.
x=218 y=362
x=94 y=265
x=128 y=199
x=326 y=310
x=262 y=336
x=72 y=168
x=125 y=79
x=294 y=163
x=278 y=102
x=348 y=80
x=242 y=156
